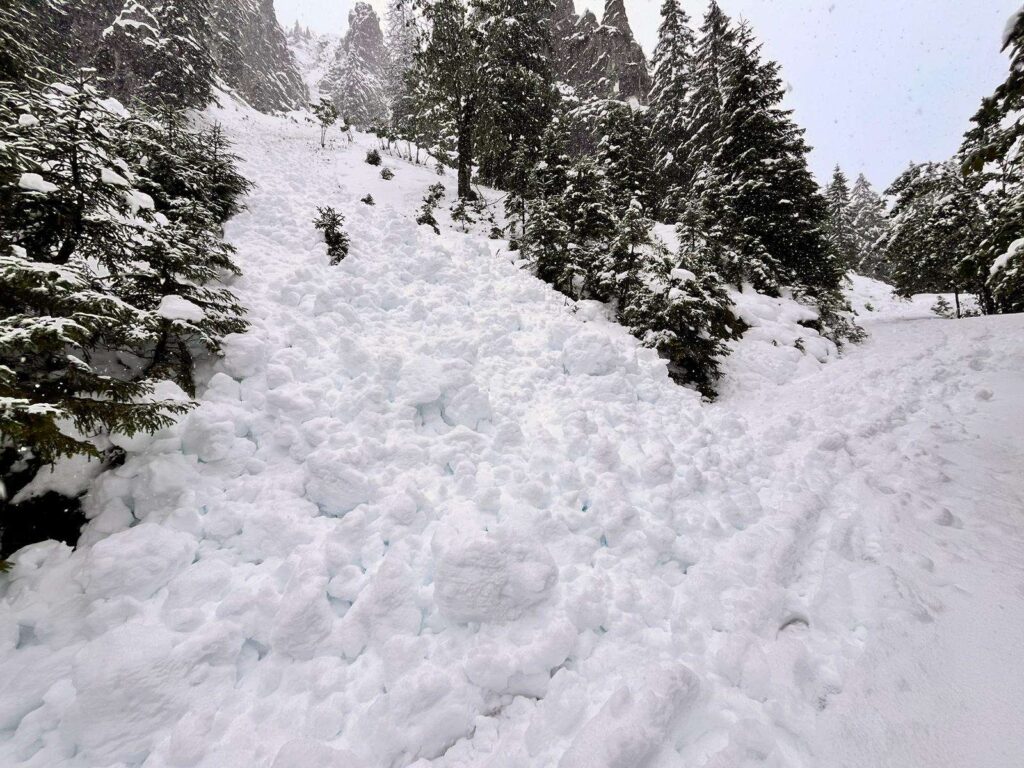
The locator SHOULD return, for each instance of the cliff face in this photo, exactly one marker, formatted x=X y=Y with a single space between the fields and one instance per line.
x=598 y=60
x=355 y=79
x=253 y=57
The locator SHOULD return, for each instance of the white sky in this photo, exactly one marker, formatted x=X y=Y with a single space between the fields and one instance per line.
x=876 y=83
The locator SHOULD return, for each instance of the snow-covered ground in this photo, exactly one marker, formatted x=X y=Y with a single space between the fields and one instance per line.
x=427 y=514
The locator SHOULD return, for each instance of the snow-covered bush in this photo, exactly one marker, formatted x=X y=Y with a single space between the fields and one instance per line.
x=435 y=192
x=330 y=222
x=373 y=157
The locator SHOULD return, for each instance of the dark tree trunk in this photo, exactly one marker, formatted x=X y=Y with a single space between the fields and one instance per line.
x=956 y=297
x=467 y=120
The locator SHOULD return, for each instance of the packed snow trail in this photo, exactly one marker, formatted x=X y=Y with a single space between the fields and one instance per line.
x=428 y=515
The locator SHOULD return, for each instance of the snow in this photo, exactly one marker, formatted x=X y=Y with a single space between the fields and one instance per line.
x=108 y=176
x=26 y=120
x=1000 y=263
x=1011 y=26
x=33 y=182
x=173 y=307
x=429 y=513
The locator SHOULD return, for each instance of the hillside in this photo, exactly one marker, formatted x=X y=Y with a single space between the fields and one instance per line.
x=430 y=512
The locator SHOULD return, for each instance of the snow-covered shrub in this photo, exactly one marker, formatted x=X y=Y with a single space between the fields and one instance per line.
x=368 y=200
x=387 y=174
x=330 y=222
x=373 y=157
x=435 y=192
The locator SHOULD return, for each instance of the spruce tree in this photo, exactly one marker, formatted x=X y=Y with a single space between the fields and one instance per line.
x=869 y=226
x=839 y=227
x=516 y=86
x=74 y=227
x=445 y=85
x=749 y=183
x=672 y=67
x=991 y=155
x=936 y=225
x=624 y=154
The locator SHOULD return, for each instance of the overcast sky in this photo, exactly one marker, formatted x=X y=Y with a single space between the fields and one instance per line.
x=876 y=83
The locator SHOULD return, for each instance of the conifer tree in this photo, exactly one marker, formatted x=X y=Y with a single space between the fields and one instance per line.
x=839 y=227
x=446 y=86
x=401 y=42
x=869 y=226
x=516 y=84
x=672 y=67
x=75 y=226
x=623 y=154
x=682 y=310
x=991 y=154
x=749 y=183
x=181 y=61
x=936 y=225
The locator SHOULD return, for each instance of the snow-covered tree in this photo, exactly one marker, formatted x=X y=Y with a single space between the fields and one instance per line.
x=869 y=226
x=516 y=87
x=839 y=226
x=749 y=183
x=445 y=87
x=672 y=67
x=936 y=224
x=624 y=155
x=75 y=225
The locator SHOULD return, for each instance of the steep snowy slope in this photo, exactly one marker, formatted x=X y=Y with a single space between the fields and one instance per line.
x=428 y=515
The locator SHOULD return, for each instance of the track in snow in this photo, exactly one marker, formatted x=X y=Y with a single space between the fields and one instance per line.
x=427 y=516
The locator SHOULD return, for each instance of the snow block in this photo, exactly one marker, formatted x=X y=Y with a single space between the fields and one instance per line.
x=493 y=577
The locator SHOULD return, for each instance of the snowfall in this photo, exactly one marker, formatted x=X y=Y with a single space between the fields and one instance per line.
x=431 y=513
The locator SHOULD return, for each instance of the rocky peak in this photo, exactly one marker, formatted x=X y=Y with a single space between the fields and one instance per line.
x=598 y=60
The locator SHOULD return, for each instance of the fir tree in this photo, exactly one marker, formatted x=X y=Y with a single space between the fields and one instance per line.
x=516 y=87
x=76 y=226
x=839 y=227
x=181 y=61
x=869 y=226
x=682 y=310
x=749 y=184
x=936 y=225
x=672 y=67
x=623 y=153
x=445 y=85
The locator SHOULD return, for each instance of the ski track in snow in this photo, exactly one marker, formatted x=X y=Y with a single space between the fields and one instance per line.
x=427 y=516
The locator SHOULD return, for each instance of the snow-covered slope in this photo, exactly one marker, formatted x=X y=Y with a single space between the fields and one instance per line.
x=428 y=515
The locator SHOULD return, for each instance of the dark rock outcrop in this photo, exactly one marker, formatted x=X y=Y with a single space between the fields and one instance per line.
x=356 y=77
x=253 y=57
x=598 y=60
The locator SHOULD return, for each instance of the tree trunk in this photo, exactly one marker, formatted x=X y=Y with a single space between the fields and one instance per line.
x=467 y=120
x=956 y=297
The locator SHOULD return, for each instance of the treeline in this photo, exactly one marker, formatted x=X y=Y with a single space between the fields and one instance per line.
x=111 y=242
x=955 y=226
x=713 y=155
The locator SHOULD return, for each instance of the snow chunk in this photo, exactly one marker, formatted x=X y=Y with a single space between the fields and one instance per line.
x=683 y=275
x=68 y=476
x=113 y=178
x=494 y=576
x=175 y=307
x=589 y=353
x=25 y=120
x=33 y=182
x=137 y=562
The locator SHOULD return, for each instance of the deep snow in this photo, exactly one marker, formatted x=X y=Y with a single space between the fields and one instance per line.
x=427 y=514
